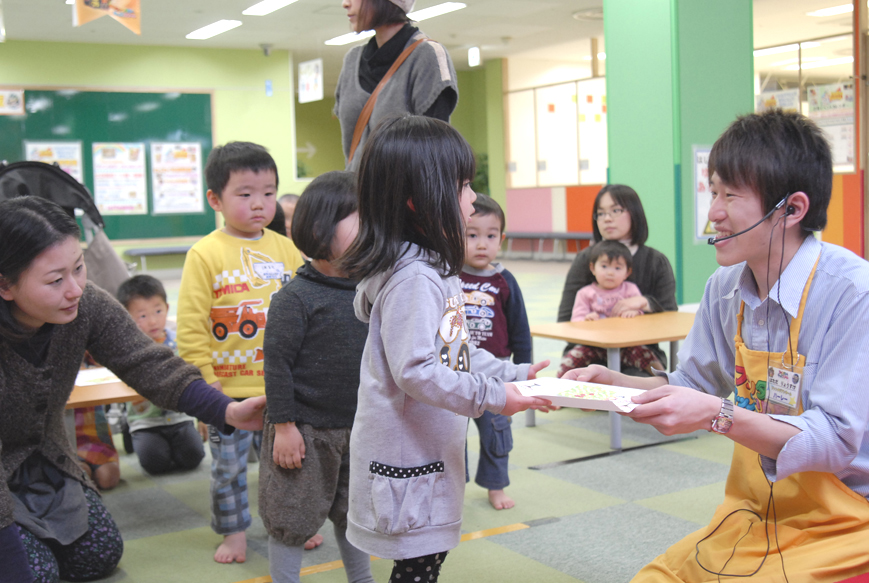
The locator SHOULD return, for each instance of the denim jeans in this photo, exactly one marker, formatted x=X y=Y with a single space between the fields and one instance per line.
x=496 y=441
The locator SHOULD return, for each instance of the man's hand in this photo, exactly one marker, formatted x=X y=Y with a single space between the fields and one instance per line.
x=247 y=414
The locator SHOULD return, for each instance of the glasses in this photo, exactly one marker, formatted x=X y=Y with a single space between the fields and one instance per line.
x=614 y=213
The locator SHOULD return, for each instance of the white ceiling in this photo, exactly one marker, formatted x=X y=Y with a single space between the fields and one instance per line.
x=501 y=28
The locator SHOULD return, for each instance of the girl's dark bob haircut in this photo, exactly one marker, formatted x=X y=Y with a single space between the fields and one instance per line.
x=374 y=13
x=28 y=226
x=328 y=199
x=410 y=177
x=627 y=198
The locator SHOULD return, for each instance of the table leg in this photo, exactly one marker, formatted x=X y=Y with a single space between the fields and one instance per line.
x=613 y=362
x=674 y=354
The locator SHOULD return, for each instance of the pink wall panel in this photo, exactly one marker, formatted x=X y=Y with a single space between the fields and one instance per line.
x=529 y=209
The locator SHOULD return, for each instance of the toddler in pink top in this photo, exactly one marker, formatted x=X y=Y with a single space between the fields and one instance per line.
x=610 y=264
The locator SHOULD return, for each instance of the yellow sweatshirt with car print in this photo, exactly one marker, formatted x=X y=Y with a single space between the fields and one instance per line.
x=226 y=288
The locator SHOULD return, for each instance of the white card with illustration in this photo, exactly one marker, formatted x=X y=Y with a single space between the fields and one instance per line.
x=567 y=393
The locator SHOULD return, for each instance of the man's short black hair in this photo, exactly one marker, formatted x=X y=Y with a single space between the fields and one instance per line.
x=486 y=205
x=236 y=157
x=140 y=286
x=612 y=250
x=776 y=154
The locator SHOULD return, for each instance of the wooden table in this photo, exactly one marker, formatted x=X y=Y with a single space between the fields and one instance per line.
x=91 y=396
x=615 y=334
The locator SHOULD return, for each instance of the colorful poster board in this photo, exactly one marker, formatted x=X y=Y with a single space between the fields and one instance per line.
x=832 y=108
x=311 y=81
x=67 y=155
x=786 y=100
x=702 y=197
x=176 y=177
x=119 y=178
x=12 y=102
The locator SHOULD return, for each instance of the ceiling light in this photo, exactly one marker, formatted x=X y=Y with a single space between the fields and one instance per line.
x=474 y=56
x=437 y=10
x=70 y=1
x=776 y=50
x=810 y=44
x=266 y=7
x=832 y=10
x=601 y=56
x=213 y=29
x=825 y=63
x=350 y=37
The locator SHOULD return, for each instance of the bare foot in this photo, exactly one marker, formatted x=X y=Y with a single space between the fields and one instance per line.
x=500 y=500
x=233 y=548
x=314 y=542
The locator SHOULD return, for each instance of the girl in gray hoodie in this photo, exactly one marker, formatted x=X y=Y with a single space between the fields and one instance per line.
x=420 y=379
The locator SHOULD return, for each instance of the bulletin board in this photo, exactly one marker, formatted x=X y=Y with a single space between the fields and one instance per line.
x=90 y=117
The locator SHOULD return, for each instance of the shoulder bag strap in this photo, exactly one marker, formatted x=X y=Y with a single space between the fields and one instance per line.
x=362 y=122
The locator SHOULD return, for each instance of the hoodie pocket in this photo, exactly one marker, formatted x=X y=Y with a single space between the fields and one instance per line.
x=401 y=498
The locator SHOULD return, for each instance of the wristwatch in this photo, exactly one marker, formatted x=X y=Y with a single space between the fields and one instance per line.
x=724 y=421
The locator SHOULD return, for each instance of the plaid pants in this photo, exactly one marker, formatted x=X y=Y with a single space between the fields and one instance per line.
x=640 y=357
x=230 y=512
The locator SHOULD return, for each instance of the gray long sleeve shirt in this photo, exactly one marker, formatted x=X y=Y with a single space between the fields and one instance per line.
x=420 y=381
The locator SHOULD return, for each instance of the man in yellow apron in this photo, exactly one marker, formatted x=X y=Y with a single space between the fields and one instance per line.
x=783 y=324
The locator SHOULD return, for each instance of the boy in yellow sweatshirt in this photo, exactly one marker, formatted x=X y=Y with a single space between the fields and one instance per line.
x=228 y=281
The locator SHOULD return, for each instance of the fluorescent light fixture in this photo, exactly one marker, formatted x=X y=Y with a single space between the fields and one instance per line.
x=438 y=10
x=2 y=25
x=832 y=10
x=70 y=1
x=350 y=37
x=474 y=56
x=266 y=7
x=824 y=63
x=213 y=29
x=776 y=50
x=601 y=56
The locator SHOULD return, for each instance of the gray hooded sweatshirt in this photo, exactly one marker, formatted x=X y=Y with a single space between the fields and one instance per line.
x=416 y=391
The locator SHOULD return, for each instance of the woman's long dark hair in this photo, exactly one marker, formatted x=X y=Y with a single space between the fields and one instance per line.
x=408 y=185
x=28 y=226
x=627 y=198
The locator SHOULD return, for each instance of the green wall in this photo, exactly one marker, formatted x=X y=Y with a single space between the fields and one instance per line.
x=470 y=114
x=241 y=109
x=495 y=133
x=672 y=84
x=317 y=127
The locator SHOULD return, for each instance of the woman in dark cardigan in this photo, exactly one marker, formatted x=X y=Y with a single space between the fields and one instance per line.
x=52 y=522
x=618 y=215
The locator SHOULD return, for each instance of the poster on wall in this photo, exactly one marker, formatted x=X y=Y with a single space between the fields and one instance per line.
x=311 y=81
x=67 y=155
x=12 y=102
x=832 y=108
x=119 y=178
x=787 y=100
x=703 y=228
x=176 y=177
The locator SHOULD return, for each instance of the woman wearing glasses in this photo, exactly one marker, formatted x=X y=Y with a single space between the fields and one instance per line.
x=618 y=215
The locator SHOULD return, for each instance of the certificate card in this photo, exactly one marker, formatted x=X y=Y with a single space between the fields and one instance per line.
x=95 y=376
x=176 y=177
x=566 y=393
x=119 y=179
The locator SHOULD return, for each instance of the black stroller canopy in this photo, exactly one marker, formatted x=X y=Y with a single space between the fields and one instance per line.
x=50 y=182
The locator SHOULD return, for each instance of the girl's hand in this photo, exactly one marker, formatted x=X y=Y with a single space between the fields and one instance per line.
x=289 y=448
x=535 y=368
x=592 y=374
x=247 y=414
x=517 y=402
x=592 y=316
x=635 y=303
x=631 y=313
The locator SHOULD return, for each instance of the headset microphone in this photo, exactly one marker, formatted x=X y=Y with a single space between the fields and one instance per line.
x=788 y=211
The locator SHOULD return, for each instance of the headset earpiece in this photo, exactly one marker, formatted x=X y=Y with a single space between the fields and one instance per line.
x=790 y=210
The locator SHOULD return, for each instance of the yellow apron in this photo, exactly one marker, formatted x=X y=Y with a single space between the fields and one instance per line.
x=822 y=526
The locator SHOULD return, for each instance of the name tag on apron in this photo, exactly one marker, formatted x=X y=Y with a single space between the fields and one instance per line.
x=783 y=386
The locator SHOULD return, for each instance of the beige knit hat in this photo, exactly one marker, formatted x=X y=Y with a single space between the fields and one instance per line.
x=406 y=5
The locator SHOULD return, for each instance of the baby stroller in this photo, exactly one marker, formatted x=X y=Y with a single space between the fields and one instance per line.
x=105 y=268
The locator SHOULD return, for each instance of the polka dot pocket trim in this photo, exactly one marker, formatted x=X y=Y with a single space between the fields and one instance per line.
x=403 y=473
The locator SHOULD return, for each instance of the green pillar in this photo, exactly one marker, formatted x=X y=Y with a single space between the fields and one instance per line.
x=678 y=72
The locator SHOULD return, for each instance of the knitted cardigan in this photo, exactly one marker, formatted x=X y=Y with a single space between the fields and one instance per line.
x=33 y=398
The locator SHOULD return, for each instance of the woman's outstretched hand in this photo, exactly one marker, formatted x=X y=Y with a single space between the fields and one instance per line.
x=247 y=414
